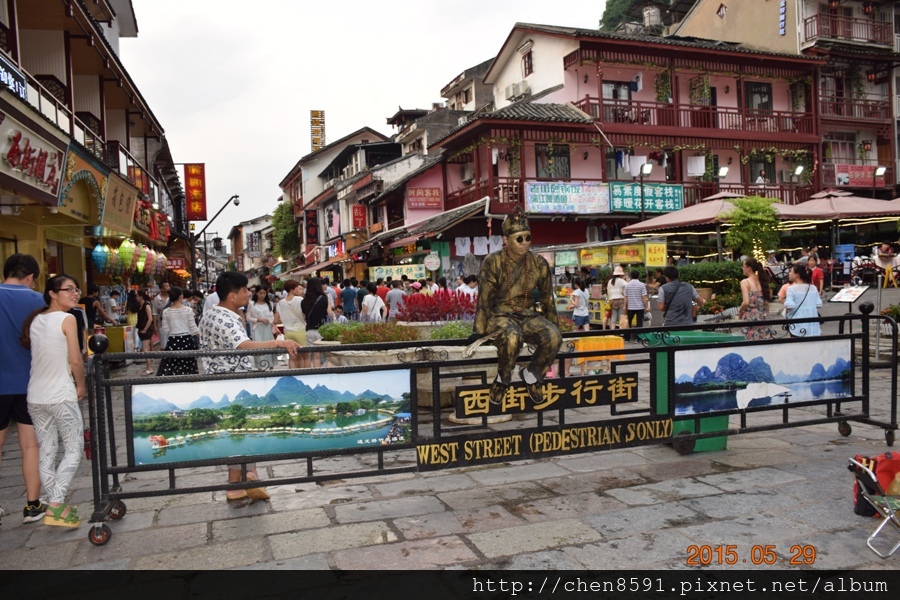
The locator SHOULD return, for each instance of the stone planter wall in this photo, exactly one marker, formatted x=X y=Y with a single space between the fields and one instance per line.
x=425 y=328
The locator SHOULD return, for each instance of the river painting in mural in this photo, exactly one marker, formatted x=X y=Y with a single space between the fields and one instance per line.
x=180 y=422
x=731 y=378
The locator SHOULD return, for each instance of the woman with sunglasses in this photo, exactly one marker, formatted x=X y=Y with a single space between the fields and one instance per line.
x=56 y=385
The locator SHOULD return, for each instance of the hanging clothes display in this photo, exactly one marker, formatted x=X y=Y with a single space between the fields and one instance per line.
x=481 y=245
x=463 y=246
x=495 y=243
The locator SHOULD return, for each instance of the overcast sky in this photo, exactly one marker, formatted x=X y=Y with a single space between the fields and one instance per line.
x=232 y=83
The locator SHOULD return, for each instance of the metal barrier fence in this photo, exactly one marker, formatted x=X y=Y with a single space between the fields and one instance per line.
x=367 y=412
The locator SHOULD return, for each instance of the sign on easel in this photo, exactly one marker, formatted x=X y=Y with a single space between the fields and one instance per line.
x=849 y=295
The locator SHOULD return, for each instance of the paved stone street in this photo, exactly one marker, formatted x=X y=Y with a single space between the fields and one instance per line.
x=625 y=509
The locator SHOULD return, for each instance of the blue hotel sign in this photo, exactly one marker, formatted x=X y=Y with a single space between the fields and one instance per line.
x=13 y=79
x=658 y=197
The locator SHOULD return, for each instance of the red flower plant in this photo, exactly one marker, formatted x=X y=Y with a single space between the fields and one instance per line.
x=425 y=308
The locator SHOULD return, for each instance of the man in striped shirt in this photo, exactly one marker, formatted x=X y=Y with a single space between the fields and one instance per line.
x=636 y=302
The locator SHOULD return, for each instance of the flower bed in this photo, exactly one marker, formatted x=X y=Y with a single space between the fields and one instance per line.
x=425 y=308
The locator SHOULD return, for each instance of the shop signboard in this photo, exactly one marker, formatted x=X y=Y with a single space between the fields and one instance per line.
x=595 y=256
x=432 y=261
x=174 y=264
x=628 y=253
x=566 y=258
x=83 y=187
x=195 y=191
x=332 y=220
x=359 y=216
x=658 y=197
x=566 y=197
x=396 y=271
x=423 y=198
x=118 y=210
x=317 y=129
x=13 y=79
x=656 y=254
x=857 y=176
x=28 y=158
x=311 y=219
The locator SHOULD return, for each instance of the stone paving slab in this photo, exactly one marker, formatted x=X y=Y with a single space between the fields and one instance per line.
x=506 y=495
x=641 y=519
x=426 y=553
x=533 y=537
x=749 y=480
x=456 y=522
x=251 y=526
x=215 y=556
x=663 y=492
x=566 y=507
x=140 y=543
x=328 y=539
x=645 y=550
x=387 y=509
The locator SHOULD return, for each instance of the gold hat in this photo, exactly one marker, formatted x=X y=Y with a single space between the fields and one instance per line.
x=515 y=222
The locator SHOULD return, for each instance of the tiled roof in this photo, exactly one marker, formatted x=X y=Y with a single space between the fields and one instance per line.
x=527 y=111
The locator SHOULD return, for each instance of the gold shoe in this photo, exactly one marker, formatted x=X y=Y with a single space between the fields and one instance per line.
x=258 y=493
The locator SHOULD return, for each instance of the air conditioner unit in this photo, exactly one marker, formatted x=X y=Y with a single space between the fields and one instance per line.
x=787 y=176
x=522 y=89
x=511 y=90
x=467 y=172
x=462 y=120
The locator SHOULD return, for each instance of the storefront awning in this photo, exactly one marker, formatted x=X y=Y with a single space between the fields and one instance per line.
x=312 y=268
x=410 y=239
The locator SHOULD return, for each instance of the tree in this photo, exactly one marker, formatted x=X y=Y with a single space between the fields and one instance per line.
x=753 y=226
x=614 y=13
x=282 y=418
x=285 y=240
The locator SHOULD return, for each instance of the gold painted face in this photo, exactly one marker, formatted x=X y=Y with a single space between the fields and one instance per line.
x=518 y=243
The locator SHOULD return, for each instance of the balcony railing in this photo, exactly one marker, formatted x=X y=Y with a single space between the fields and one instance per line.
x=48 y=105
x=696 y=192
x=91 y=140
x=873 y=106
x=833 y=27
x=507 y=193
x=658 y=114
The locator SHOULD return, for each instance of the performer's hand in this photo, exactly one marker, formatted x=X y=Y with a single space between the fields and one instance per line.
x=474 y=338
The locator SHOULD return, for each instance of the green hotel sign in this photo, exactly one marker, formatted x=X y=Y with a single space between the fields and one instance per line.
x=658 y=197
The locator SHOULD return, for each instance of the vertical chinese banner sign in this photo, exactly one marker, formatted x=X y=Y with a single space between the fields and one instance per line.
x=317 y=129
x=195 y=191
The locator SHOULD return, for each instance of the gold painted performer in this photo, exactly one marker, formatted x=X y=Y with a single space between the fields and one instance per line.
x=506 y=311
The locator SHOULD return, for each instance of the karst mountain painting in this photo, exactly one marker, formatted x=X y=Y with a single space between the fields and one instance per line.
x=730 y=378
x=178 y=422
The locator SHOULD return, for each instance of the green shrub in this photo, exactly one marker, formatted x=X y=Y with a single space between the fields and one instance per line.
x=722 y=277
x=453 y=330
x=373 y=333
x=331 y=332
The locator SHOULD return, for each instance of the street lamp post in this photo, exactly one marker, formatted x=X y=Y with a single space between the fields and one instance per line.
x=646 y=169
x=879 y=172
x=723 y=173
x=194 y=237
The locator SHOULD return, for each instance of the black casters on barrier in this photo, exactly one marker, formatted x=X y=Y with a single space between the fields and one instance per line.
x=866 y=308
x=98 y=343
x=844 y=428
x=889 y=437
x=99 y=535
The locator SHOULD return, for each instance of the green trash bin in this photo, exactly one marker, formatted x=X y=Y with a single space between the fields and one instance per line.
x=660 y=367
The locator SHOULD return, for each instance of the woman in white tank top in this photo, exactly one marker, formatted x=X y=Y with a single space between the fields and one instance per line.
x=57 y=383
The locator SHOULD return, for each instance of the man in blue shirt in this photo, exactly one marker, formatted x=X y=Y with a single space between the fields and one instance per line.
x=349 y=300
x=17 y=301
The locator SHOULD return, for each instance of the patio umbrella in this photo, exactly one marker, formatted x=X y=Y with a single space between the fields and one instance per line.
x=837 y=204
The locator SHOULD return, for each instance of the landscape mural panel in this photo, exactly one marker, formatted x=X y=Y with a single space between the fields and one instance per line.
x=715 y=379
x=183 y=422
